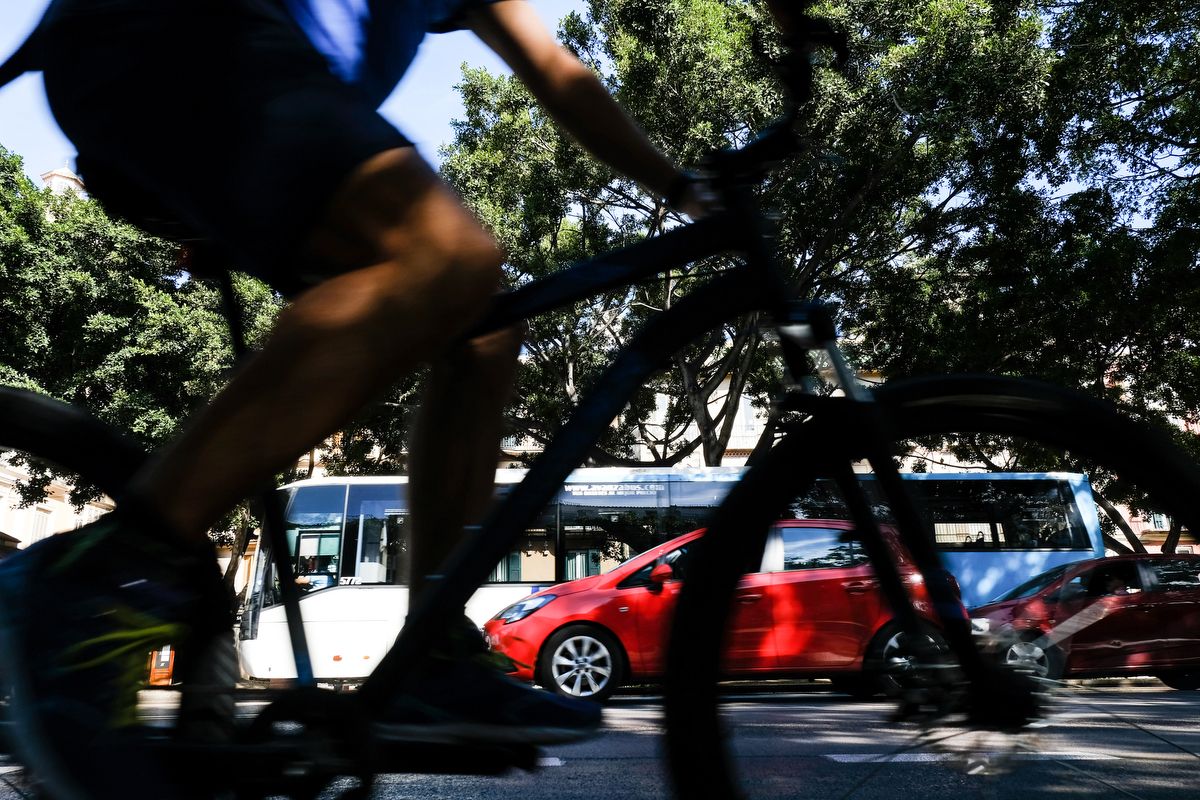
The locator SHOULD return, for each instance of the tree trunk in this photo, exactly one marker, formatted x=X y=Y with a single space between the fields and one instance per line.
x=1172 y=540
x=766 y=441
x=1119 y=520
x=240 y=541
x=1114 y=544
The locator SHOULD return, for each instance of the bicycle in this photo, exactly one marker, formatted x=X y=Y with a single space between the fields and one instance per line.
x=308 y=737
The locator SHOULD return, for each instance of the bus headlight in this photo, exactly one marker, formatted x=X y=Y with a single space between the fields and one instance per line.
x=521 y=610
x=980 y=625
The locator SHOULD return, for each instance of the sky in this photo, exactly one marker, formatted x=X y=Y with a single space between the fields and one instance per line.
x=421 y=107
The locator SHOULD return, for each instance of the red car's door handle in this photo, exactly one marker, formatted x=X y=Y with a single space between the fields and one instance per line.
x=858 y=587
x=749 y=597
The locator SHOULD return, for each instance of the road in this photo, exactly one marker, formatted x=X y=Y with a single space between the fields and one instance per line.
x=1136 y=742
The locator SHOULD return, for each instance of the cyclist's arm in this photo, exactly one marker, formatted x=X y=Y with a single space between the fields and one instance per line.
x=571 y=93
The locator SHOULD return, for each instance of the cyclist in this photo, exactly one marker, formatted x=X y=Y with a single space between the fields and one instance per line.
x=253 y=123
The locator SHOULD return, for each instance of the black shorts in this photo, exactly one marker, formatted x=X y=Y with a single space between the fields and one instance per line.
x=216 y=113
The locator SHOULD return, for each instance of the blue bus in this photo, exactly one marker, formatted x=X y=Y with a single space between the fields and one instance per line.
x=996 y=529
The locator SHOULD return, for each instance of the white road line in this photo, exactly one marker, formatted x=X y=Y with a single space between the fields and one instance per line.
x=549 y=761
x=7 y=770
x=925 y=758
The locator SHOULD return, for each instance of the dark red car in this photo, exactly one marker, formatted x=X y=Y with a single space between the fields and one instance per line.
x=814 y=608
x=1125 y=615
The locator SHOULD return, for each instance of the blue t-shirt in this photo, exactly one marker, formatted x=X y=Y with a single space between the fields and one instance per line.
x=370 y=43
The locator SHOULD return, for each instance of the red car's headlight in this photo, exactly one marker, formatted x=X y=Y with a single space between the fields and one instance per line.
x=522 y=609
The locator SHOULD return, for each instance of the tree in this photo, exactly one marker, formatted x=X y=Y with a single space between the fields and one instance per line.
x=1072 y=256
x=1006 y=187
x=99 y=314
x=550 y=206
x=916 y=115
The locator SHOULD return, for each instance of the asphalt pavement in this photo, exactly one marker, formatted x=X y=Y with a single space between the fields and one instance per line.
x=1115 y=739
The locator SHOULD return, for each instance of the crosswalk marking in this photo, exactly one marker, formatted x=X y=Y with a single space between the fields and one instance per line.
x=924 y=758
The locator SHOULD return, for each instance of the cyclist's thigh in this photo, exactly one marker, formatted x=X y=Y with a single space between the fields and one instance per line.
x=395 y=207
x=218 y=111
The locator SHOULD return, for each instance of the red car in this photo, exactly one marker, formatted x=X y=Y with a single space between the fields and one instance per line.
x=1126 y=615
x=814 y=609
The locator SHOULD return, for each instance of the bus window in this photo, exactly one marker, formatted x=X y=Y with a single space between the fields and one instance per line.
x=1029 y=514
x=602 y=524
x=316 y=563
x=375 y=545
x=532 y=561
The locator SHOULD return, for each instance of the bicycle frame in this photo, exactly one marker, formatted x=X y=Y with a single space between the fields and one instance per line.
x=757 y=284
x=738 y=291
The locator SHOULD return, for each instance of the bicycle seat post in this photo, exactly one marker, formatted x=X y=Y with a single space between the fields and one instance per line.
x=205 y=260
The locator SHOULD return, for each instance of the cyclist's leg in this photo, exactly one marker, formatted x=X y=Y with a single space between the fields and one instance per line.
x=430 y=273
x=454 y=447
x=229 y=162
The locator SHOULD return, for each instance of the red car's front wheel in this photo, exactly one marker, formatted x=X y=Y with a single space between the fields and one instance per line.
x=581 y=661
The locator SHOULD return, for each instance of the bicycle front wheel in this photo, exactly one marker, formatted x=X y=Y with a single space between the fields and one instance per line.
x=1092 y=434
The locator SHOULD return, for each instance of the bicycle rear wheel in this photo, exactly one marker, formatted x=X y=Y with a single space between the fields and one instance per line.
x=697 y=741
x=38 y=432
x=68 y=439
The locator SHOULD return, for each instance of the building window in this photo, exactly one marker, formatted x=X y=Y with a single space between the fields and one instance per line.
x=87 y=516
x=582 y=563
x=508 y=570
x=40 y=527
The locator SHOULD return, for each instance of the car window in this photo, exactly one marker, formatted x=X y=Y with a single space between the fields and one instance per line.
x=1034 y=584
x=1177 y=574
x=820 y=548
x=678 y=560
x=1104 y=580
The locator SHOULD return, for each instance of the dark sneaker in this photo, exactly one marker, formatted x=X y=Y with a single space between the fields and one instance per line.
x=79 y=614
x=462 y=696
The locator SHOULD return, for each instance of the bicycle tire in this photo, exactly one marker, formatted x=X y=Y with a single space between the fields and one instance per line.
x=69 y=438
x=698 y=759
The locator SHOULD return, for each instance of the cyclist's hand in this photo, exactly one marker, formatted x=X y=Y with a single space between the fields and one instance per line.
x=693 y=196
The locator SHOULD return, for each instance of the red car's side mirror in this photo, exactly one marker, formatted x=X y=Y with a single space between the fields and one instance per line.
x=661 y=574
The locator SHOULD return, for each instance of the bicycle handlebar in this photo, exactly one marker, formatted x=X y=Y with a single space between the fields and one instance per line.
x=780 y=140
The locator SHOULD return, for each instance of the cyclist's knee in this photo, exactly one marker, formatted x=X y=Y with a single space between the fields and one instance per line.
x=396 y=213
x=473 y=269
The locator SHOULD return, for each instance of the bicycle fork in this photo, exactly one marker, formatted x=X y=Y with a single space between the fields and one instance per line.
x=808 y=327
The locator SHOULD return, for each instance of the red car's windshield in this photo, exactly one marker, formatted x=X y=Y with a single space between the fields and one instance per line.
x=1034 y=584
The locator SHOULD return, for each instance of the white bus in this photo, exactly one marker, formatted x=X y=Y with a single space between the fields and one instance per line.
x=348 y=544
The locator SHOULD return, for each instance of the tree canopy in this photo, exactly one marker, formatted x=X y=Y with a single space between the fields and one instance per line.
x=99 y=314
x=1007 y=187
